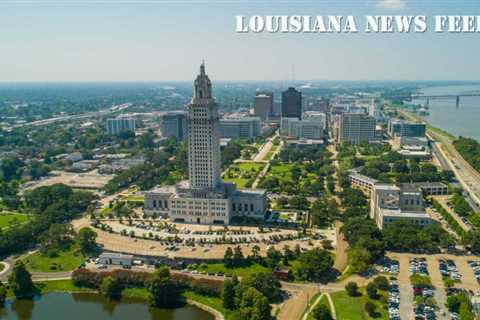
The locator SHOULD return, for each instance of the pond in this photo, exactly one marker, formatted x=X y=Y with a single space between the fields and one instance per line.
x=91 y=306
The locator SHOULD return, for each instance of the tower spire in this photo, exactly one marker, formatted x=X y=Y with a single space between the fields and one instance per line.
x=202 y=67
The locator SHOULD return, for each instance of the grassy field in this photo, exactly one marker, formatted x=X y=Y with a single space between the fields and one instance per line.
x=353 y=308
x=241 y=272
x=64 y=261
x=242 y=173
x=60 y=286
x=212 y=302
x=8 y=218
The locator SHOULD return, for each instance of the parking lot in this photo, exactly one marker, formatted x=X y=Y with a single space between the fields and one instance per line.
x=466 y=266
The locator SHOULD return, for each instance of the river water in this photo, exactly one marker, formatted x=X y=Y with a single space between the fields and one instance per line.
x=464 y=121
x=90 y=306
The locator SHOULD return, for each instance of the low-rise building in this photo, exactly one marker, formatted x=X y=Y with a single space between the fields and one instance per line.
x=389 y=203
x=362 y=182
x=112 y=258
x=244 y=128
x=302 y=129
x=402 y=128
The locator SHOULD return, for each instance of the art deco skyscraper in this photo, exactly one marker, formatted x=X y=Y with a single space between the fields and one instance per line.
x=204 y=164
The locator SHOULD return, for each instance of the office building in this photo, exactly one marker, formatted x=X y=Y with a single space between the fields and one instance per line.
x=204 y=198
x=401 y=128
x=263 y=106
x=389 y=203
x=302 y=129
x=115 y=126
x=291 y=103
x=355 y=128
x=174 y=124
x=243 y=128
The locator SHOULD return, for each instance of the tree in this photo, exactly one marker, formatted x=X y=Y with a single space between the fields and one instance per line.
x=3 y=294
x=370 y=308
x=359 y=259
x=163 y=292
x=372 y=290
x=238 y=258
x=312 y=265
x=228 y=258
x=321 y=312
x=273 y=257
x=255 y=256
x=20 y=281
x=111 y=288
x=86 y=239
x=382 y=283
x=352 y=289
x=228 y=295
x=254 y=305
x=266 y=283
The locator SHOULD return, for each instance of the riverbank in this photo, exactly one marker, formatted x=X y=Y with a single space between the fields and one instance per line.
x=468 y=177
x=209 y=304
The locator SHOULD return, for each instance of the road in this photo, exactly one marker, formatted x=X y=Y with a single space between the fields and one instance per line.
x=265 y=148
x=468 y=177
x=446 y=166
x=443 y=200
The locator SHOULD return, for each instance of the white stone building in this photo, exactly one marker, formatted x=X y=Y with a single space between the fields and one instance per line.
x=205 y=198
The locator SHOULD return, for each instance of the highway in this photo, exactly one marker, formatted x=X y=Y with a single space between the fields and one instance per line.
x=445 y=151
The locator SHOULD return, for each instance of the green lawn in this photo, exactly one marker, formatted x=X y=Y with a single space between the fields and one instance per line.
x=240 y=272
x=212 y=302
x=242 y=173
x=59 y=286
x=353 y=308
x=65 y=261
x=138 y=293
x=8 y=218
x=2 y=266
x=324 y=301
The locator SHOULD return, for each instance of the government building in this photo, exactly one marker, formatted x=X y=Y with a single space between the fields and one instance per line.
x=204 y=198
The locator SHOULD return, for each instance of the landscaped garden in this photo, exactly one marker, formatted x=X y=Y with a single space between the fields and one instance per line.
x=8 y=218
x=354 y=307
x=59 y=261
x=243 y=174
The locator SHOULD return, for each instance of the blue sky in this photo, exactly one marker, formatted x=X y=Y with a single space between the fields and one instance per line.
x=149 y=40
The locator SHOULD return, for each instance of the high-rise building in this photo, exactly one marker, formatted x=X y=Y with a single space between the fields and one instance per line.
x=244 y=128
x=356 y=128
x=204 y=165
x=205 y=198
x=291 y=103
x=263 y=106
x=174 y=124
x=115 y=126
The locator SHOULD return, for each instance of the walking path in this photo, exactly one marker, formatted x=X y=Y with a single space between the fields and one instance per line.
x=317 y=301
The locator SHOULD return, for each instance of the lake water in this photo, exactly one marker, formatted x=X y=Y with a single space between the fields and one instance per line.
x=90 y=306
x=464 y=121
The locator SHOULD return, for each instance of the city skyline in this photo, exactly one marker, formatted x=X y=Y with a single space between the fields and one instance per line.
x=158 y=40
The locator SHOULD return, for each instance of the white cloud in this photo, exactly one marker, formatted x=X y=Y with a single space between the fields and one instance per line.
x=392 y=4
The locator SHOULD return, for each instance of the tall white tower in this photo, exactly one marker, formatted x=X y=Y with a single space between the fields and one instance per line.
x=204 y=164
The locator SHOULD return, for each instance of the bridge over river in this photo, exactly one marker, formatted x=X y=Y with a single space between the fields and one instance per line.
x=445 y=96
